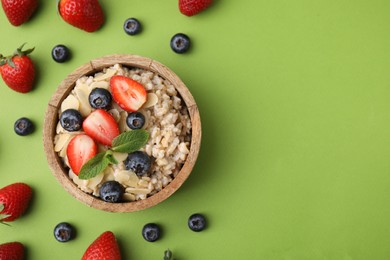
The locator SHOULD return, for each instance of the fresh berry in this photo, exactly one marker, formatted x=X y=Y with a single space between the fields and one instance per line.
x=101 y=126
x=12 y=251
x=60 y=53
x=193 y=7
x=63 y=232
x=132 y=26
x=135 y=120
x=197 y=222
x=111 y=191
x=138 y=162
x=80 y=149
x=18 y=70
x=104 y=247
x=180 y=43
x=23 y=126
x=71 y=120
x=19 y=11
x=151 y=232
x=100 y=98
x=14 y=200
x=127 y=93
x=86 y=15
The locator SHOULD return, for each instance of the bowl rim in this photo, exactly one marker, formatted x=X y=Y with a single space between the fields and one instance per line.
x=51 y=119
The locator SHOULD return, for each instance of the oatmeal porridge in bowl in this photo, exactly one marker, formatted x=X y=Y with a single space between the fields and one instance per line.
x=122 y=133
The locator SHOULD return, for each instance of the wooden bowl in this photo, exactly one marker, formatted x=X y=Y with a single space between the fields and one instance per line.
x=51 y=119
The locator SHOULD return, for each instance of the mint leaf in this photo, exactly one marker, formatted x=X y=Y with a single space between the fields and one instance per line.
x=95 y=166
x=130 y=141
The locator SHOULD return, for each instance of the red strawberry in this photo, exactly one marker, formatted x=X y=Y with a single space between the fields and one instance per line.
x=104 y=247
x=127 y=93
x=80 y=149
x=18 y=70
x=12 y=251
x=14 y=200
x=19 y=11
x=101 y=126
x=192 y=7
x=86 y=15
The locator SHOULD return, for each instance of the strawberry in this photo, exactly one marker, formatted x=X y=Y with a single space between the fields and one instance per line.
x=193 y=7
x=104 y=247
x=12 y=251
x=18 y=70
x=19 y=11
x=127 y=93
x=86 y=15
x=80 y=149
x=14 y=200
x=101 y=126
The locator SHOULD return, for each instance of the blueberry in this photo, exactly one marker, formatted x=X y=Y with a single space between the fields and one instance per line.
x=71 y=120
x=197 y=222
x=100 y=98
x=151 y=232
x=64 y=232
x=135 y=120
x=111 y=191
x=60 y=53
x=23 y=126
x=138 y=162
x=180 y=43
x=132 y=26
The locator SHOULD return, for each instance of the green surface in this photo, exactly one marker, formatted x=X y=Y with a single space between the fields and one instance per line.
x=294 y=101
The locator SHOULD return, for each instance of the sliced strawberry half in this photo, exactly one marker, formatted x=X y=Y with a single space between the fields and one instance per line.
x=127 y=93
x=101 y=126
x=80 y=149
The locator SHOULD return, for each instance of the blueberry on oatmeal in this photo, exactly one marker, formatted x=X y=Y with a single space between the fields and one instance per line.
x=135 y=120
x=111 y=191
x=71 y=120
x=100 y=98
x=139 y=162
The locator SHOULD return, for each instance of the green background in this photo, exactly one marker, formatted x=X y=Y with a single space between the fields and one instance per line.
x=294 y=101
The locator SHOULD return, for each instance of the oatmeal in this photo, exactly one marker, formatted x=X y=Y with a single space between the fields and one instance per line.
x=166 y=119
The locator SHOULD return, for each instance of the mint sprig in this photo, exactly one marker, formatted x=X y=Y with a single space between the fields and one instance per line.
x=127 y=142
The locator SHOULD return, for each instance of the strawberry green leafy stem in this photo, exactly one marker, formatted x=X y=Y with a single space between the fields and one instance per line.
x=127 y=142
x=18 y=52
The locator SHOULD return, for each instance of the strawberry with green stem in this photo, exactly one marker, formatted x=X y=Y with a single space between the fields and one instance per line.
x=17 y=70
x=14 y=200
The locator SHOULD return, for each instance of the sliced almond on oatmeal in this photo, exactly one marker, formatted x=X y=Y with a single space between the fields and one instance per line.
x=59 y=128
x=151 y=100
x=100 y=84
x=115 y=114
x=61 y=140
x=128 y=197
x=82 y=94
x=70 y=102
x=95 y=181
x=137 y=190
x=122 y=122
x=108 y=74
x=120 y=157
x=133 y=179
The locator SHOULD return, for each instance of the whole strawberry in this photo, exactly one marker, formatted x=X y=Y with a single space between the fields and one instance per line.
x=18 y=70
x=104 y=247
x=19 y=11
x=14 y=200
x=86 y=15
x=12 y=251
x=193 y=7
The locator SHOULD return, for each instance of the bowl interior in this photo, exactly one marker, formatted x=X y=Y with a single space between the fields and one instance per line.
x=51 y=120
